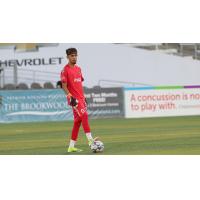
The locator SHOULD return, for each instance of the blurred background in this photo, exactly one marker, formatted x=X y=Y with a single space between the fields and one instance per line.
x=38 y=65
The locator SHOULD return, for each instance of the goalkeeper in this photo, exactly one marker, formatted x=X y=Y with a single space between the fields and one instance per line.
x=71 y=78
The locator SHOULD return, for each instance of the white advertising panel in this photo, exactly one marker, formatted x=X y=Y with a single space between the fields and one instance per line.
x=162 y=101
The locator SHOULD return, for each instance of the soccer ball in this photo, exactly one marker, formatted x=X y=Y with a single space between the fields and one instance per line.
x=97 y=146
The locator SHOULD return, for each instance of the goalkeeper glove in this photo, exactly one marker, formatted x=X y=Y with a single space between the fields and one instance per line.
x=71 y=100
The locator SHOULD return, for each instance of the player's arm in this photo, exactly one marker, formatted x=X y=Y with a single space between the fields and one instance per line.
x=63 y=78
x=72 y=101
x=64 y=87
x=82 y=79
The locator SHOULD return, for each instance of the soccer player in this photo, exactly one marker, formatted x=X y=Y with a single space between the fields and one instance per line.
x=72 y=78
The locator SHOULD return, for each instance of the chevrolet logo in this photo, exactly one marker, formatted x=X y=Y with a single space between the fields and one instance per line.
x=25 y=47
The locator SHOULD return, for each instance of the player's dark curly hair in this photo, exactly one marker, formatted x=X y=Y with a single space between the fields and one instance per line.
x=71 y=51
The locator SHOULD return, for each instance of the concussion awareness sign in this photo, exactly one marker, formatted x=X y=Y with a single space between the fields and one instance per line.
x=162 y=101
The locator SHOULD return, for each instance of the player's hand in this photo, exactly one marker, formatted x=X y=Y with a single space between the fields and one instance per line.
x=72 y=101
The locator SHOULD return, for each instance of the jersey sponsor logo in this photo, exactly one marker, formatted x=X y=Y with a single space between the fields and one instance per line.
x=77 y=80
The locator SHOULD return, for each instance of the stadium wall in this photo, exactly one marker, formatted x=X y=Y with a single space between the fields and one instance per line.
x=101 y=62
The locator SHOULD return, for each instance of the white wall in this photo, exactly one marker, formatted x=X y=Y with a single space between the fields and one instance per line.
x=117 y=62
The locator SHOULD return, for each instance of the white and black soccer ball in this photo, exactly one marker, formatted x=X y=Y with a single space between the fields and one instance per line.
x=97 y=146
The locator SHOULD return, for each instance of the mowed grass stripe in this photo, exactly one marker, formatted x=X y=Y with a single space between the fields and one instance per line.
x=176 y=135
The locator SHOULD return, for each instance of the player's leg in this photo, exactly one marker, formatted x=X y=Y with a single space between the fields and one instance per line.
x=75 y=131
x=86 y=128
x=82 y=110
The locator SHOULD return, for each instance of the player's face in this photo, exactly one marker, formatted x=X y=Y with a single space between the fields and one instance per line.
x=72 y=58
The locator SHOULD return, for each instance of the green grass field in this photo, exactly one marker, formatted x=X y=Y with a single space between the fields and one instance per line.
x=157 y=136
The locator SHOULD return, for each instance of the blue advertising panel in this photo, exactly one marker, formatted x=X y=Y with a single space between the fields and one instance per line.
x=34 y=105
x=51 y=105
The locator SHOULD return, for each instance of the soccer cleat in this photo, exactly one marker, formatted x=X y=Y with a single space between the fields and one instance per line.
x=73 y=149
x=91 y=141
